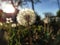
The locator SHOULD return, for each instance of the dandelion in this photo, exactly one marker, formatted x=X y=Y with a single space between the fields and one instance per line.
x=9 y=20
x=13 y=25
x=25 y=17
x=1 y=23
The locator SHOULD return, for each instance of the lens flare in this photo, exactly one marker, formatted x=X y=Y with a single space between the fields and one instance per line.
x=8 y=8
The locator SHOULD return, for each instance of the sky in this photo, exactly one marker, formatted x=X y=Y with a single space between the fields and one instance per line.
x=46 y=6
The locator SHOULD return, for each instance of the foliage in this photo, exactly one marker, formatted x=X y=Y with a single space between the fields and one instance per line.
x=17 y=35
x=58 y=13
x=14 y=34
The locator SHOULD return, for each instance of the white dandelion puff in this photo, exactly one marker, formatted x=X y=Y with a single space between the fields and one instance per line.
x=26 y=16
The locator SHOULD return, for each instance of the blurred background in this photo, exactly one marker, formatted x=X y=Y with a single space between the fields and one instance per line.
x=29 y=22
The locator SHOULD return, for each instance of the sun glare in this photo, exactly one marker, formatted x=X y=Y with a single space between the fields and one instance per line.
x=8 y=8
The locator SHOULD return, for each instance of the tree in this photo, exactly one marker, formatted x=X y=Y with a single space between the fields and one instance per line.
x=23 y=2
x=58 y=4
x=58 y=13
x=33 y=2
x=38 y=20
